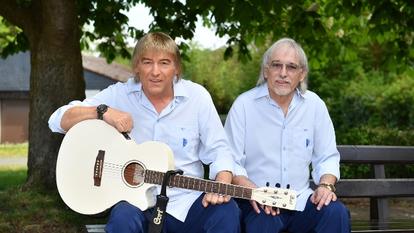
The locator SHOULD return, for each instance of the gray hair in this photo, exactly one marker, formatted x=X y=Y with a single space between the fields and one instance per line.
x=303 y=61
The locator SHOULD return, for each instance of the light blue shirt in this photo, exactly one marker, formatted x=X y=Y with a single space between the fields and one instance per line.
x=270 y=147
x=190 y=125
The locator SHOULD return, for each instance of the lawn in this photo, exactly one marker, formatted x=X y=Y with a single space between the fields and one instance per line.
x=32 y=211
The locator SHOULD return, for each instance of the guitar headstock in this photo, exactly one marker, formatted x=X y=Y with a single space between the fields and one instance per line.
x=276 y=197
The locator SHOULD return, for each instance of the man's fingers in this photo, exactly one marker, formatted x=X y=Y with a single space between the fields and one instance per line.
x=215 y=199
x=206 y=200
x=255 y=206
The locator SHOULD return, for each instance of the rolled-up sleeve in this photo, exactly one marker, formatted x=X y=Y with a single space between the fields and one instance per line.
x=325 y=159
x=105 y=96
x=56 y=117
x=215 y=150
x=235 y=130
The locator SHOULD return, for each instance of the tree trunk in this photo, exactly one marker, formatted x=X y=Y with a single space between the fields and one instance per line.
x=56 y=78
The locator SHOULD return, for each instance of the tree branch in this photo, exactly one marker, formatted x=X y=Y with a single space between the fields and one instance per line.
x=18 y=14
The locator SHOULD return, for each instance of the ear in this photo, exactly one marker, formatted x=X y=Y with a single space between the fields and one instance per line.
x=265 y=73
x=136 y=70
x=303 y=75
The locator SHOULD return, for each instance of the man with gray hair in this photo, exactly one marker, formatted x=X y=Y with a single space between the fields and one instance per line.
x=277 y=130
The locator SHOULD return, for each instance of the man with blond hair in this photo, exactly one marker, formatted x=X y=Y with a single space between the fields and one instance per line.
x=158 y=105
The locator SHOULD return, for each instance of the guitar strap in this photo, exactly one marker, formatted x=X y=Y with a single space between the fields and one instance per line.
x=155 y=226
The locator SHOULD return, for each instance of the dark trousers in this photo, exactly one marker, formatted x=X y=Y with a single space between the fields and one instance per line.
x=223 y=218
x=333 y=218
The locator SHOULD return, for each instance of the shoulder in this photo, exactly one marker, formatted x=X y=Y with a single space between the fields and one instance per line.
x=313 y=98
x=313 y=101
x=129 y=84
x=249 y=96
x=194 y=90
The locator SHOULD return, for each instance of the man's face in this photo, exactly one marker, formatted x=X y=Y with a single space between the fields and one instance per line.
x=283 y=72
x=156 y=71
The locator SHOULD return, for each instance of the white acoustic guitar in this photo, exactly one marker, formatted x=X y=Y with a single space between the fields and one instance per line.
x=98 y=167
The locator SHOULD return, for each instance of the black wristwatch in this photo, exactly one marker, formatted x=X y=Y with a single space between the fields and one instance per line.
x=101 y=109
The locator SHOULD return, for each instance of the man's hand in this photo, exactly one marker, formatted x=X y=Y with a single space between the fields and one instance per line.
x=244 y=181
x=214 y=198
x=122 y=121
x=322 y=196
x=267 y=209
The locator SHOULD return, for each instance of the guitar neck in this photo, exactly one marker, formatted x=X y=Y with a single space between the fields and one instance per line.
x=207 y=186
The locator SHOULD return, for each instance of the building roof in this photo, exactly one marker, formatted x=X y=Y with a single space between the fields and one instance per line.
x=99 y=65
x=15 y=71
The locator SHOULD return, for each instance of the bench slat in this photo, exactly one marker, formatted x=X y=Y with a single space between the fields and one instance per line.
x=357 y=188
x=376 y=154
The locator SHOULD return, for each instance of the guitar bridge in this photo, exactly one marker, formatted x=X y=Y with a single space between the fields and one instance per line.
x=97 y=171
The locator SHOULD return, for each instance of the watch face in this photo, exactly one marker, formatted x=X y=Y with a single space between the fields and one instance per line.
x=101 y=109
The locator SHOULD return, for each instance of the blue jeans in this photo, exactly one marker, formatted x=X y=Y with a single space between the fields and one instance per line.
x=223 y=218
x=333 y=218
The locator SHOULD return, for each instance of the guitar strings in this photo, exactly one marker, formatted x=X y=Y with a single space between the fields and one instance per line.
x=112 y=170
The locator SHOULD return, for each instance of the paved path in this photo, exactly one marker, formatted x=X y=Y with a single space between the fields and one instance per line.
x=4 y=161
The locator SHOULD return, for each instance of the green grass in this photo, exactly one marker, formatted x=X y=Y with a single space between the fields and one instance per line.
x=13 y=150
x=11 y=177
x=35 y=211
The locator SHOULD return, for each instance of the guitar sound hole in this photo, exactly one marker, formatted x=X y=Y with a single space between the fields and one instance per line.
x=134 y=174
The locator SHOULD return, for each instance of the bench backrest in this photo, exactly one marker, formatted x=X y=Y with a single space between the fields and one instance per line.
x=379 y=185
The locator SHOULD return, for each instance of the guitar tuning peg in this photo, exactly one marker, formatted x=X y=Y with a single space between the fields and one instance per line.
x=267 y=184
x=288 y=186
x=277 y=185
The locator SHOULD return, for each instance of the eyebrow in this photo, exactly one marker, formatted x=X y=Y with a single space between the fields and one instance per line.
x=162 y=60
x=279 y=61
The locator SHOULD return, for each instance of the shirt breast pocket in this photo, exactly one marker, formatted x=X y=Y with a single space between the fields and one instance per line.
x=302 y=143
x=188 y=138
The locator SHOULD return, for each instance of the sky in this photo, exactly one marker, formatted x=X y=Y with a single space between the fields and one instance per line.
x=140 y=18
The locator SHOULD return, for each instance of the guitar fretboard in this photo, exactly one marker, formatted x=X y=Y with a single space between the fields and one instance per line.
x=186 y=182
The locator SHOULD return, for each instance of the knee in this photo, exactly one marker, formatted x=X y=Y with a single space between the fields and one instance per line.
x=224 y=215
x=125 y=218
x=229 y=211
x=337 y=209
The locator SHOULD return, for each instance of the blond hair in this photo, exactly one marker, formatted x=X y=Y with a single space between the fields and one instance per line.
x=160 y=42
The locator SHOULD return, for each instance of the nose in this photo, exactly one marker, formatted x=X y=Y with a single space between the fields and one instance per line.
x=283 y=72
x=155 y=69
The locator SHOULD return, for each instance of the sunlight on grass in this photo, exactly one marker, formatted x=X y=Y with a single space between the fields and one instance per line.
x=13 y=150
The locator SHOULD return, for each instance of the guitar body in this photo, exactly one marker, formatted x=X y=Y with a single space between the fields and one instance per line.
x=93 y=170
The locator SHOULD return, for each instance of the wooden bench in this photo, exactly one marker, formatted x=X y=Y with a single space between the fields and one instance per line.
x=378 y=188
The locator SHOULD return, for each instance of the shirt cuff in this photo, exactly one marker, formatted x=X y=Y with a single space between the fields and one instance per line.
x=56 y=118
x=240 y=171
x=222 y=163
x=316 y=175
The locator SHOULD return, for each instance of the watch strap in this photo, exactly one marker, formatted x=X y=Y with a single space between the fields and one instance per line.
x=331 y=187
x=100 y=110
